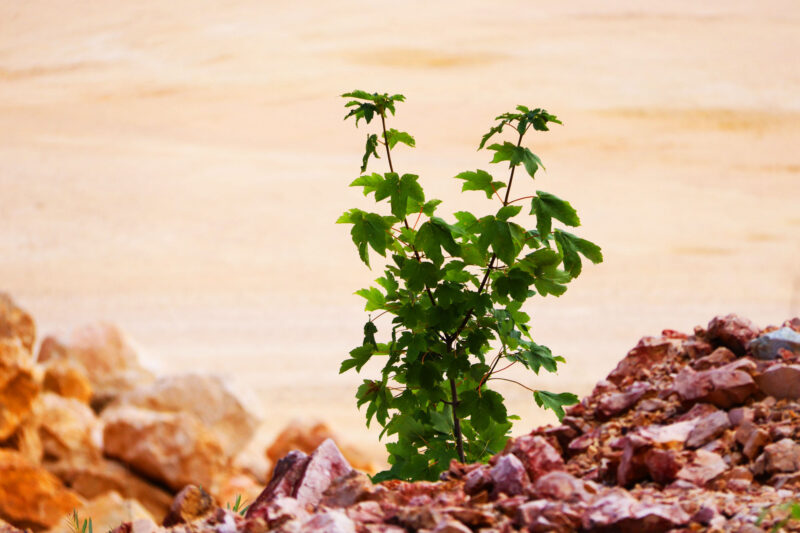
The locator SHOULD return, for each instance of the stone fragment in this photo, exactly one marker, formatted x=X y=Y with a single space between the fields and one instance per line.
x=347 y=490
x=15 y=323
x=782 y=456
x=663 y=465
x=25 y=438
x=69 y=428
x=91 y=479
x=542 y=516
x=333 y=521
x=562 y=486
x=67 y=378
x=769 y=345
x=107 y=512
x=707 y=428
x=718 y=357
x=648 y=352
x=725 y=387
x=732 y=331
x=30 y=496
x=307 y=438
x=477 y=480
x=619 y=511
x=780 y=381
x=755 y=442
x=536 y=453
x=19 y=385
x=509 y=476
x=615 y=403
x=210 y=398
x=190 y=504
x=449 y=525
x=174 y=448
x=703 y=467
x=106 y=355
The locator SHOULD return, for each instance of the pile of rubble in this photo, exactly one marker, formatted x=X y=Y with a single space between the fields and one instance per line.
x=86 y=427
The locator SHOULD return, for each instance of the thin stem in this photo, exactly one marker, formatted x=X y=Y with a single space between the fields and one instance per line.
x=511 y=178
x=456 y=421
x=518 y=199
x=512 y=381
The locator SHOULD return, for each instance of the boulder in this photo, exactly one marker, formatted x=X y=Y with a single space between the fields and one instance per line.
x=782 y=456
x=561 y=486
x=542 y=516
x=30 y=496
x=91 y=479
x=648 y=352
x=707 y=428
x=509 y=476
x=769 y=345
x=15 y=323
x=173 y=448
x=307 y=437
x=537 y=455
x=105 y=354
x=302 y=477
x=703 y=468
x=733 y=332
x=107 y=512
x=780 y=381
x=618 y=511
x=69 y=428
x=19 y=385
x=726 y=386
x=210 y=398
x=67 y=378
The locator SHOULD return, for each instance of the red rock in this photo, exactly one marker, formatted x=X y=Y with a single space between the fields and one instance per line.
x=562 y=486
x=16 y=323
x=782 y=456
x=347 y=490
x=663 y=465
x=19 y=385
x=448 y=525
x=755 y=443
x=542 y=516
x=707 y=428
x=286 y=476
x=739 y=415
x=189 y=504
x=704 y=467
x=725 y=387
x=780 y=381
x=537 y=455
x=732 y=331
x=333 y=521
x=477 y=480
x=613 y=404
x=718 y=357
x=618 y=511
x=631 y=464
x=648 y=352
x=509 y=476
x=68 y=379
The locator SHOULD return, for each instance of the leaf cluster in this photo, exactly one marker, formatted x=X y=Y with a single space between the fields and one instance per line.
x=452 y=294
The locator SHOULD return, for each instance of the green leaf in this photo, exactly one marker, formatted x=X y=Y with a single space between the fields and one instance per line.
x=492 y=131
x=374 y=297
x=546 y=286
x=371 y=149
x=531 y=161
x=408 y=188
x=358 y=358
x=480 y=180
x=369 y=334
x=370 y=182
x=434 y=235
x=506 y=152
x=419 y=275
x=508 y=211
x=393 y=137
x=555 y=402
x=368 y=228
x=570 y=246
x=547 y=206
x=505 y=238
x=537 y=356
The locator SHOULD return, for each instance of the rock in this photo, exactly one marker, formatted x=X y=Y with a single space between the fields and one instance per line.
x=305 y=478
x=190 y=504
x=663 y=465
x=347 y=490
x=91 y=479
x=5 y=527
x=732 y=331
x=237 y=484
x=477 y=480
x=173 y=448
x=537 y=455
x=19 y=385
x=107 y=512
x=509 y=476
x=780 y=381
x=703 y=468
x=618 y=511
x=30 y=496
x=615 y=403
x=545 y=516
x=769 y=345
x=725 y=387
x=562 y=486
x=106 y=355
x=449 y=525
x=333 y=521
x=782 y=456
x=755 y=442
x=648 y=352
x=69 y=428
x=26 y=440
x=307 y=438
x=210 y=398
x=15 y=323
x=67 y=378
x=707 y=428
x=718 y=357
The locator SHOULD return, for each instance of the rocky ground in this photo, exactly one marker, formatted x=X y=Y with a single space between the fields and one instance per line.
x=692 y=432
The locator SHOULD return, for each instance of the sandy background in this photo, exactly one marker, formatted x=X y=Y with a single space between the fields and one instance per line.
x=176 y=167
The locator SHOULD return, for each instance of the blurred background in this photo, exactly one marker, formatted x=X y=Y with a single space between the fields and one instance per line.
x=177 y=167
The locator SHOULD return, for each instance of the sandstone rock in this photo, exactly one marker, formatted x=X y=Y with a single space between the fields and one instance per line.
x=18 y=385
x=649 y=351
x=707 y=428
x=190 y=504
x=477 y=480
x=307 y=438
x=332 y=521
x=618 y=511
x=67 y=378
x=755 y=442
x=91 y=479
x=107 y=356
x=347 y=490
x=69 y=428
x=704 y=467
x=536 y=454
x=107 y=512
x=232 y=485
x=724 y=387
x=15 y=323
x=5 y=527
x=302 y=477
x=613 y=404
x=718 y=357
x=174 y=448
x=210 y=398
x=733 y=332
x=769 y=345
x=509 y=476
x=780 y=381
x=782 y=456
x=562 y=486
x=544 y=516
x=30 y=496
x=25 y=438
x=663 y=465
